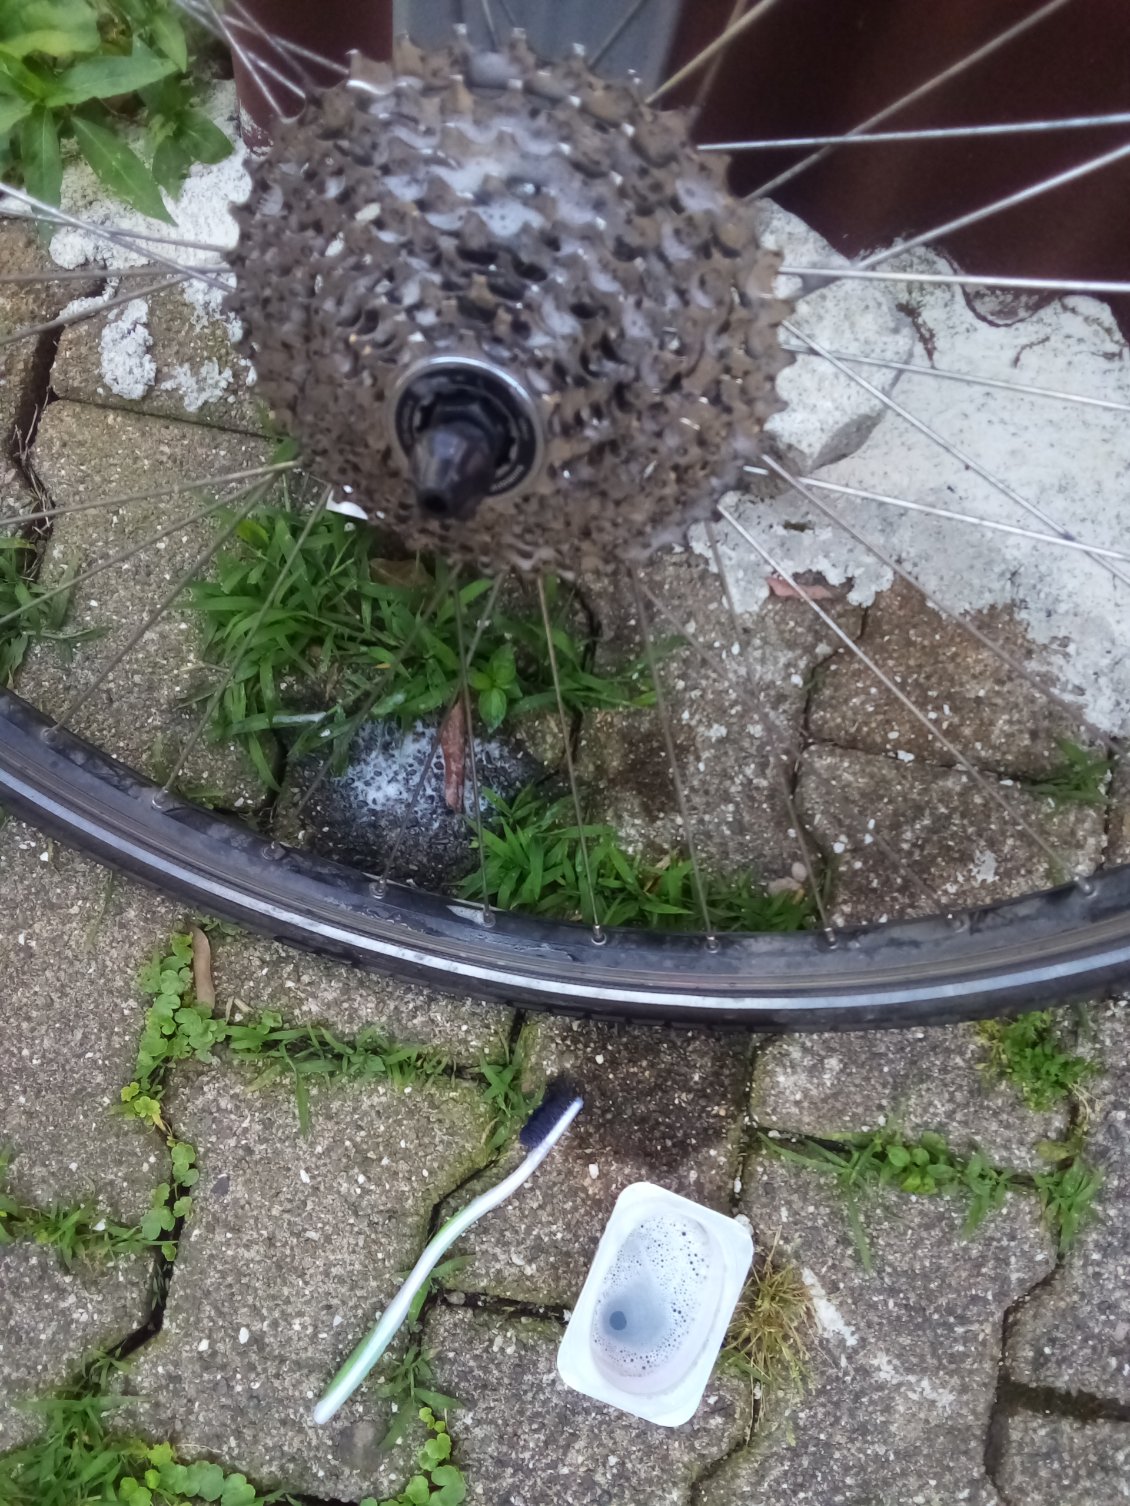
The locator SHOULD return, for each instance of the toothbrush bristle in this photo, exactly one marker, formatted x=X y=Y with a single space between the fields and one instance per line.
x=560 y=1096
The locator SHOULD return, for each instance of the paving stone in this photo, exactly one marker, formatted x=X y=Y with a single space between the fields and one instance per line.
x=71 y=1016
x=828 y=415
x=52 y=1319
x=23 y=304
x=84 y=454
x=1074 y=1333
x=1118 y=835
x=917 y=839
x=159 y=354
x=1056 y=1461
x=524 y=1439
x=294 y=1246
x=662 y=1107
x=904 y=1372
x=919 y=1079
x=263 y=974
x=982 y=706
x=726 y=721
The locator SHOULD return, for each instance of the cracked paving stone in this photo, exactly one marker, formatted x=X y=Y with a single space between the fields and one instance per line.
x=294 y=1245
x=22 y=305
x=904 y=1370
x=524 y=1439
x=84 y=454
x=260 y=974
x=70 y=1017
x=1074 y=1333
x=52 y=1319
x=1118 y=837
x=726 y=717
x=932 y=838
x=660 y=1106
x=981 y=705
x=180 y=365
x=918 y=1079
x=1056 y=1461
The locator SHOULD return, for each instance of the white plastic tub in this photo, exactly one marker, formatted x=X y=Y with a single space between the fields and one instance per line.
x=655 y=1305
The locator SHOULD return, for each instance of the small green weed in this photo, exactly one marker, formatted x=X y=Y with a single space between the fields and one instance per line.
x=410 y=1382
x=83 y=1234
x=773 y=1328
x=179 y=1027
x=510 y=1102
x=1081 y=779
x=346 y=616
x=928 y=1166
x=437 y=1481
x=78 y=1461
x=1032 y=1052
x=41 y=618
x=81 y=71
x=534 y=863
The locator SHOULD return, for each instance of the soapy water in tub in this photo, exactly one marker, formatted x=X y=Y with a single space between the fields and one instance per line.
x=654 y=1306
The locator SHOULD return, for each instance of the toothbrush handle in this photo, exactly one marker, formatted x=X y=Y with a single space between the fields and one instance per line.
x=374 y=1344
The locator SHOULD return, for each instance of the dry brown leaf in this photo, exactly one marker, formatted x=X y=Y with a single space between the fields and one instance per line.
x=453 y=744
x=202 y=984
x=778 y=586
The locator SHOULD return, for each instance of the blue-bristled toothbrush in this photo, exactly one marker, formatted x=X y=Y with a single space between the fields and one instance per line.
x=539 y=1135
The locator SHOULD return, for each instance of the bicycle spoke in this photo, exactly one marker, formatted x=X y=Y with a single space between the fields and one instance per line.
x=402 y=825
x=943 y=133
x=822 y=277
x=900 y=695
x=969 y=628
x=78 y=701
x=618 y=30
x=174 y=489
x=118 y=559
x=676 y=777
x=724 y=40
x=710 y=77
x=117 y=235
x=488 y=19
x=64 y=321
x=236 y=665
x=777 y=755
x=286 y=45
x=84 y=274
x=567 y=744
x=259 y=69
x=969 y=379
x=358 y=719
x=469 y=735
x=955 y=70
x=954 y=451
x=991 y=524
x=998 y=206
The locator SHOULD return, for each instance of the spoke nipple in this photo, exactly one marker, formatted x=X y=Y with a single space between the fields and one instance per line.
x=955 y=921
x=831 y=940
x=52 y=736
x=599 y=936
x=1085 y=886
x=488 y=918
x=275 y=851
x=164 y=800
x=712 y=944
x=379 y=888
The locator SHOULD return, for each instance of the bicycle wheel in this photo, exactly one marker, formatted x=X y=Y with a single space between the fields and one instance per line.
x=546 y=373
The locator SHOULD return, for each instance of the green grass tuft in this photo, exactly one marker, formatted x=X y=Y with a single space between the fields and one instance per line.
x=534 y=864
x=1080 y=779
x=1033 y=1053
x=345 y=617
x=41 y=617
x=773 y=1328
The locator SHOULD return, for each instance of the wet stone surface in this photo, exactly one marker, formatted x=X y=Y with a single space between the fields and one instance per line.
x=70 y=1017
x=524 y=1438
x=138 y=711
x=1057 y=1461
x=904 y=1372
x=910 y=838
x=1074 y=1333
x=294 y=1247
x=731 y=714
x=980 y=705
x=659 y=1106
x=51 y=1320
x=917 y=1079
